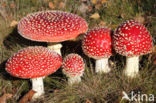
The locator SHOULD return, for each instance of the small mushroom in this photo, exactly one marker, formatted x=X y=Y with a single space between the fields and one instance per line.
x=97 y=44
x=132 y=39
x=52 y=27
x=34 y=63
x=73 y=67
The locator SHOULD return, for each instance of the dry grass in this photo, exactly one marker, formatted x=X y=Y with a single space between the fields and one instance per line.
x=103 y=88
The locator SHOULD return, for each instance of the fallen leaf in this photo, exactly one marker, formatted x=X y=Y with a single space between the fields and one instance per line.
x=5 y=97
x=12 y=5
x=98 y=6
x=103 y=1
x=51 y=5
x=95 y=16
x=123 y=15
x=3 y=4
x=13 y=23
x=154 y=49
x=93 y=1
x=88 y=101
x=109 y=4
x=90 y=8
x=102 y=23
x=27 y=97
x=140 y=19
x=56 y=1
x=61 y=5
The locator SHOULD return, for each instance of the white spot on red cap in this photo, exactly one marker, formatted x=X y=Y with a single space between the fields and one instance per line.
x=132 y=39
x=52 y=26
x=33 y=62
x=97 y=43
x=73 y=65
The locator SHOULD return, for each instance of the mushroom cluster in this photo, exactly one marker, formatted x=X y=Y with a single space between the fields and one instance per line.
x=130 y=39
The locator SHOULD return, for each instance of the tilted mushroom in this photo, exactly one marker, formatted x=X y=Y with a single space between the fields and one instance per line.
x=97 y=44
x=34 y=63
x=132 y=39
x=52 y=27
x=73 y=67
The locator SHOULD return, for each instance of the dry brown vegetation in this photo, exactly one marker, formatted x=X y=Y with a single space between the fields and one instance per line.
x=93 y=88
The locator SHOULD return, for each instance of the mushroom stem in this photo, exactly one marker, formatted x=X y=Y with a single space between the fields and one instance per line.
x=55 y=46
x=132 y=66
x=74 y=79
x=102 y=66
x=38 y=86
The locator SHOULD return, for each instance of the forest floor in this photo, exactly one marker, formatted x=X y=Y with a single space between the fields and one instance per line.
x=104 y=88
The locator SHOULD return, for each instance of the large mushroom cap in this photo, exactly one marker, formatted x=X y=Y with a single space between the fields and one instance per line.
x=132 y=39
x=52 y=26
x=73 y=65
x=33 y=62
x=97 y=43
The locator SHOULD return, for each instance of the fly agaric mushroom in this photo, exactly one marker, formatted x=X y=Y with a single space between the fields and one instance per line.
x=73 y=67
x=52 y=27
x=97 y=44
x=132 y=39
x=34 y=63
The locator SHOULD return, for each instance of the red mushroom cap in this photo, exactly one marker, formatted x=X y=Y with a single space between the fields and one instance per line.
x=33 y=62
x=97 y=43
x=52 y=26
x=73 y=65
x=132 y=39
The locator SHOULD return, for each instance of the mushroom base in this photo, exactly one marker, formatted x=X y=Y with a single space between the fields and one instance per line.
x=74 y=79
x=55 y=46
x=102 y=66
x=37 y=85
x=132 y=66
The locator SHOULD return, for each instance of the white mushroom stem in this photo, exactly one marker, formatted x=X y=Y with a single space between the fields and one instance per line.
x=132 y=66
x=102 y=66
x=74 y=79
x=55 y=46
x=38 y=87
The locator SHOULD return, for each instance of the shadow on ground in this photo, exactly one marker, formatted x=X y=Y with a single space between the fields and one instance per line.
x=14 y=39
